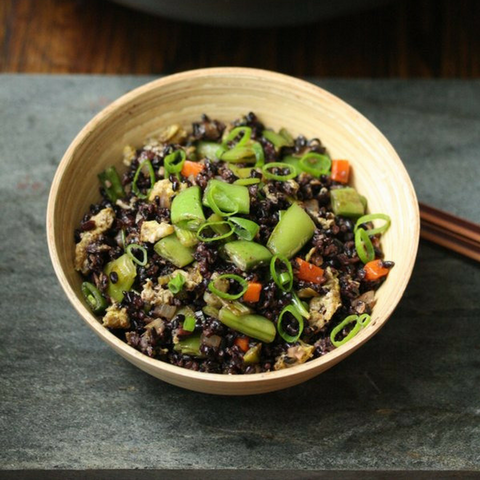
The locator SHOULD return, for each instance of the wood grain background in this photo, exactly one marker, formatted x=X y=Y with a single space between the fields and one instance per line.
x=405 y=39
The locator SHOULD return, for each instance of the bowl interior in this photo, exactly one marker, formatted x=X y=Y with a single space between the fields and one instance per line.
x=226 y=94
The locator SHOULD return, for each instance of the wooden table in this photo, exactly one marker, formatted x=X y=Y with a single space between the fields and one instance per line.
x=407 y=39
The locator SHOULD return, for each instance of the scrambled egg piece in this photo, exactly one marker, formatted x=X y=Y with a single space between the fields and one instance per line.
x=128 y=155
x=172 y=134
x=192 y=277
x=322 y=308
x=103 y=221
x=156 y=295
x=163 y=189
x=295 y=355
x=152 y=231
x=116 y=317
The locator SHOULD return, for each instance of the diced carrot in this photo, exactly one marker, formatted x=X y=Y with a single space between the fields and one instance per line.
x=253 y=292
x=375 y=270
x=340 y=170
x=191 y=168
x=242 y=343
x=309 y=272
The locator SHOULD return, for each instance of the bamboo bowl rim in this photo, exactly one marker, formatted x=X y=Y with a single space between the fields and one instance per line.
x=143 y=361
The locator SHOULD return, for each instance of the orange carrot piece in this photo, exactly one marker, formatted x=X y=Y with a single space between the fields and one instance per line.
x=242 y=343
x=191 y=168
x=340 y=170
x=309 y=272
x=375 y=270
x=253 y=292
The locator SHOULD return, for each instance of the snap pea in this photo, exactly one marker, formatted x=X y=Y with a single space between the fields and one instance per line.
x=125 y=270
x=292 y=232
x=228 y=198
x=254 y=326
x=208 y=150
x=172 y=250
x=247 y=255
x=187 y=211
x=94 y=298
x=186 y=237
x=347 y=202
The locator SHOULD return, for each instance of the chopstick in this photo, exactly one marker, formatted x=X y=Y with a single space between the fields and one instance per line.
x=450 y=231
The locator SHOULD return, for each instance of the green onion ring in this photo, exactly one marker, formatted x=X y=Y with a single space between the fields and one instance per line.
x=371 y=217
x=213 y=204
x=276 y=276
x=228 y=296
x=136 y=246
x=289 y=338
x=189 y=324
x=316 y=164
x=151 y=172
x=364 y=247
x=299 y=305
x=244 y=229
x=93 y=297
x=259 y=154
x=175 y=285
x=246 y=133
x=281 y=178
x=360 y=322
x=217 y=237
x=173 y=162
x=247 y=181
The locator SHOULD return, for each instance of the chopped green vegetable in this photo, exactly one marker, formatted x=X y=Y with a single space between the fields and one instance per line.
x=187 y=211
x=244 y=229
x=254 y=326
x=277 y=139
x=112 y=184
x=292 y=232
x=94 y=298
x=364 y=246
x=134 y=246
x=189 y=324
x=247 y=255
x=173 y=162
x=189 y=346
x=360 y=322
x=252 y=355
x=124 y=269
x=245 y=132
x=369 y=218
x=293 y=311
x=186 y=237
x=228 y=198
x=208 y=150
x=346 y=202
x=225 y=295
x=145 y=164
x=172 y=250
x=316 y=164
x=175 y=285
x=215 y=227
x=284 y=280
x=273 y=176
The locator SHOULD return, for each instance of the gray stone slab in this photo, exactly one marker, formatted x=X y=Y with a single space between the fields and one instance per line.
x=409 y=399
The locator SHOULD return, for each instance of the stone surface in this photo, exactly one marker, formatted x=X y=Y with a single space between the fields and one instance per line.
x=409 y=399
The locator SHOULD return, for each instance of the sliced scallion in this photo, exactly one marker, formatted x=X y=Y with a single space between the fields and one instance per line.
x=286 y=282
x=316 y=164
x=360 y=322
x=215 y=226
x=300 y=306
x=273 y=176
x=247 y=181
x=228 y=296
x=259 y=154
x=364 y=246
x=151 y=173
x=245 y=132
x=276 y=139
x=174 y=162
x=175 y=285
x=134 y=246
x=189 y=324
x=244 y=229
x=369 y=218
x=112 y=184
x=293 y=311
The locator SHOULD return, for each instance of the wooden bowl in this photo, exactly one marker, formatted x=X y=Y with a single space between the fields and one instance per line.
x=226 y=94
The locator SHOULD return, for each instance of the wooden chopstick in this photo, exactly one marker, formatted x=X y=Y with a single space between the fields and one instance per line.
x=449 y=231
